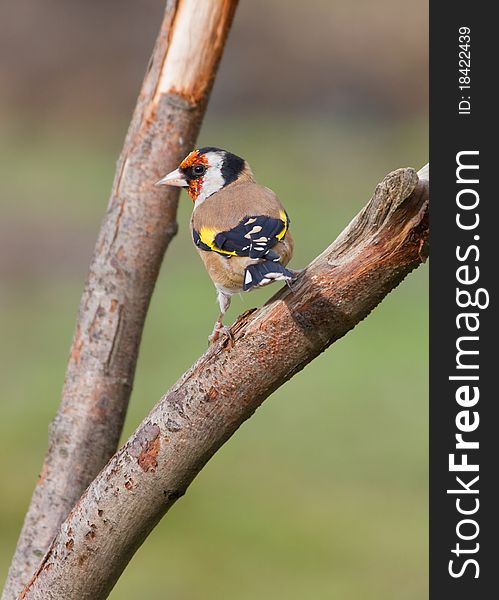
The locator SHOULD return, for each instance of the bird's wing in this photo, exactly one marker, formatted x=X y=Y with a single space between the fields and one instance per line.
x=253 y=236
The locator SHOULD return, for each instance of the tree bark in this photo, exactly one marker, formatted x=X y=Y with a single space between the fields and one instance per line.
x=138 y=226
x=386 y=241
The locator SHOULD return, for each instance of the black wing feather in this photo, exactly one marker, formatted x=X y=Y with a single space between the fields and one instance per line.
x=252 y=237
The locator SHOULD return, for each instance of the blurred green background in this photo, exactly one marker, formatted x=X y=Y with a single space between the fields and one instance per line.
x=323 y=492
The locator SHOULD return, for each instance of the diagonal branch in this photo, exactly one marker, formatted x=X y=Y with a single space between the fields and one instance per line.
x=386 y=241
x=138 y=226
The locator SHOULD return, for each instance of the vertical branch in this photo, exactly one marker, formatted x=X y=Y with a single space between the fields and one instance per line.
x=138 y=226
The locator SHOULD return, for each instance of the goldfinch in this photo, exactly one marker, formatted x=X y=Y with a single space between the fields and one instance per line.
x=240 y=228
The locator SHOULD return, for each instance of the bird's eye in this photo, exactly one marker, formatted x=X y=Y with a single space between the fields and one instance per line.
x=199 y=170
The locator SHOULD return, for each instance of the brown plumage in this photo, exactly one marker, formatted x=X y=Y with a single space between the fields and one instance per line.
x=223 y=211
x=240 y=228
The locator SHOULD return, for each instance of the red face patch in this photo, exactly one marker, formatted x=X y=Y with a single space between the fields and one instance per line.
x=190 y=159
x=195 y=185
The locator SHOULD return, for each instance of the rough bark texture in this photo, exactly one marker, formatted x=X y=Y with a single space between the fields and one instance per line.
x=138 y=226
x=205 y=407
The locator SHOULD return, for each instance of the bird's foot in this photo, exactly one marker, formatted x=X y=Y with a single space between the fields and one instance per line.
x=221 y=330
x=296 y=274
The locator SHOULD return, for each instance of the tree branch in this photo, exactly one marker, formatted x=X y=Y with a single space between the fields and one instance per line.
x=386 y=241
x=138 y=226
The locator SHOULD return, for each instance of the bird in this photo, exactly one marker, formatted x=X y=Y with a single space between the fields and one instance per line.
x=239 y=227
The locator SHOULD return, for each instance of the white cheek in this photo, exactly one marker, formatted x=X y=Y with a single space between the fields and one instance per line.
x=212 y=182
x=212 y=179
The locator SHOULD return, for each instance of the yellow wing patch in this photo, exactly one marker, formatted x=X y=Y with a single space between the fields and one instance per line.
x=207 y=236
x=284 y=219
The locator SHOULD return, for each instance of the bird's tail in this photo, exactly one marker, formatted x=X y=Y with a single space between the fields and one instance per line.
x=265 y=272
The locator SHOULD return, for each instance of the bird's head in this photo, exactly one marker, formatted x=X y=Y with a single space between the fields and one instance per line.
x=206 y=171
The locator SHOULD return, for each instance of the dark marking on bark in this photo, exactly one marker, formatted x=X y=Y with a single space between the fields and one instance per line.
x=212 y=394
x=178 y=405
x=82 y=559
x=147 y=459
x=145 y=447
x=173 y=495
x=172 y=425
x=42 y=474
x=116 y=336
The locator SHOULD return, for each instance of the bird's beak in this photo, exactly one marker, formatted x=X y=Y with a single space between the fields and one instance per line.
x=176 y=178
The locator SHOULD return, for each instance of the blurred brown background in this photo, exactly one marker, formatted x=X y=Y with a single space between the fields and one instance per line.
x=61 y=58
x=323 y=98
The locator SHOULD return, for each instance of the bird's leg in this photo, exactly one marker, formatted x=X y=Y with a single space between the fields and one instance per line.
x=224 y=303
x=296 y=273
x=219 y=329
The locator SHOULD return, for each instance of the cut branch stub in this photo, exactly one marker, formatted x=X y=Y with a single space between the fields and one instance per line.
x=388 y=196
x=226 y=385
